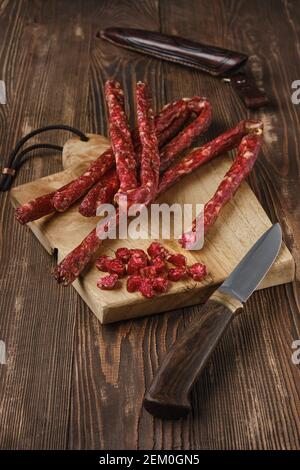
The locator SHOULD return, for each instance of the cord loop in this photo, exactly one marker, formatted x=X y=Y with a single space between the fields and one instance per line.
x=16 y=159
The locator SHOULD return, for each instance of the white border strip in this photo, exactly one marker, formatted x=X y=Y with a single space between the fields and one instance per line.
x=2 y=92
x=2 y=352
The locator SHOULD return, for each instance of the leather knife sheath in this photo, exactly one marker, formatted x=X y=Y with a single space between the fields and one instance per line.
x=214 y=60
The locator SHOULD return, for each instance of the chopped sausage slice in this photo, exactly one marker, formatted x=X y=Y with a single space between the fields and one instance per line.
x=108 y=282
x=178 y=260
x=197 y=271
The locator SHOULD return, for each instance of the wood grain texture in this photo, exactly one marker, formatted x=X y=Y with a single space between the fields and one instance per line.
x=70 y=383
x=41 y=89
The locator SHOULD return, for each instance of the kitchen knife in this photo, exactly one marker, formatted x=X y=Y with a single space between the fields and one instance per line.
x=214 y=60
x=168 y=395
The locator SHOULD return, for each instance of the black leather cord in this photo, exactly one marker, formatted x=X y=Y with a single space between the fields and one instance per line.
x=16 y=159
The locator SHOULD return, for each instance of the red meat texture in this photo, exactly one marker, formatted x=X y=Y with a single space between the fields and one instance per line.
x=120 y=136
x=133 y=283
x=197 y=271
x=177 y=274
x=115 y=266
x=156 y=249
x=160 y=285
x=109 y=282
x=136 y=263
x=102 y=261
x=123 y=254
x=146 y=288
x=147 y=275
x=159 y=264
x=178 y=260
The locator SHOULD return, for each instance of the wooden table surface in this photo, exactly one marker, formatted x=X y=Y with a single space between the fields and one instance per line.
x=70 y=383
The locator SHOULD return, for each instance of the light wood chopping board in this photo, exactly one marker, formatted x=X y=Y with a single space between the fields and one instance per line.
x=239 y=225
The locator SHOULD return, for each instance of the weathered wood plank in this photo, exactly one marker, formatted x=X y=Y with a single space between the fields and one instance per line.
x=45 y=68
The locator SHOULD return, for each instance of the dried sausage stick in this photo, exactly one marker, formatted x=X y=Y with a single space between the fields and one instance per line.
x=185 y=138
x=64 y=199
x=96 y=196
x=227 y=141
x=150 y=160
x=69 y=268
x=172 y=130
x=167 y=123
x=120 y=136
x=198 y=105
x=37 y=208
x=146 y=192
x=247 y=154
x=74 y=263
x=165 y=119
x=168 y=113
x=103 y=192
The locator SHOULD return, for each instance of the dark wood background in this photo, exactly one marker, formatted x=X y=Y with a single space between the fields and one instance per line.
x=70 y=383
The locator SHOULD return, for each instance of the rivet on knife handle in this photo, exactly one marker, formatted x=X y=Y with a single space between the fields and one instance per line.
x=168 y=396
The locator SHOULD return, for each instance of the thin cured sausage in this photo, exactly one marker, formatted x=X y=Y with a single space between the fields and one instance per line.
x=37 y=208
x=168 y=122
x=63 y=199
x=174 y=116
x=225 y=142
x=150 y=160
x=102 y=193
x=246 y=156
x=120 y=135
x=200 y=106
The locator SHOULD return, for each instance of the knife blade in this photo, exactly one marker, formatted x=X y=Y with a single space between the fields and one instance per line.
x=168 y=395
x=247 y=275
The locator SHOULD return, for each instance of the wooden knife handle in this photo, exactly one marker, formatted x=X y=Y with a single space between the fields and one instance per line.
x=168 y=396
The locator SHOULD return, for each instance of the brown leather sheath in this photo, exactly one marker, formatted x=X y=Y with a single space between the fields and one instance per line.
x=214 y=60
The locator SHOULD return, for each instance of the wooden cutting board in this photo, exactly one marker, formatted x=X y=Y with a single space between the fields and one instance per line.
x=239 y=225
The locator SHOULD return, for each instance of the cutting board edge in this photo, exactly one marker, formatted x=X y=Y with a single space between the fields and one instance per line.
x=157 y=305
